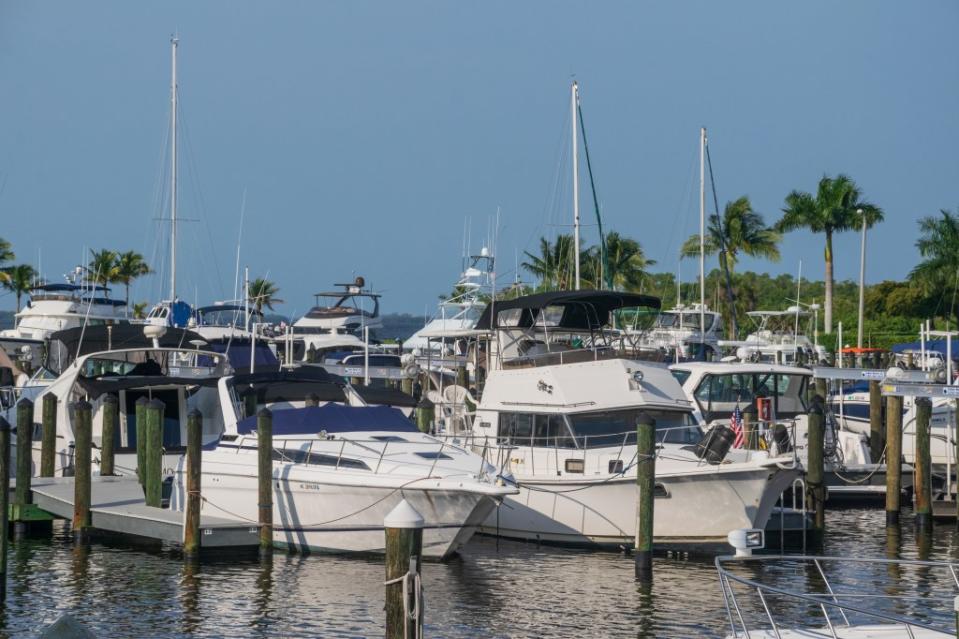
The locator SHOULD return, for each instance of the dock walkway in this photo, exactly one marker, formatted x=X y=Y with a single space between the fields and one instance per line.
x=117 y=505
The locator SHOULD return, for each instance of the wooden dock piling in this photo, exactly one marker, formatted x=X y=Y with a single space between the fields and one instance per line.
x=264 y=442
x=4 y=502
x=153 y=478
x=645 y=490
x=407 y=385
x=24 y=464
x=425 y=414
x=922 y=477
x=404 y=547
x=111 y=416
x=750 y=427
x=141 y=433
x=893 y=458
x=48 y=436
x=83 y=436
x=815 y=451
x=191 y=517
x=462 y=377
x=875 y=421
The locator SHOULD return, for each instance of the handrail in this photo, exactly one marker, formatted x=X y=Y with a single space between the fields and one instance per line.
x=830 y=600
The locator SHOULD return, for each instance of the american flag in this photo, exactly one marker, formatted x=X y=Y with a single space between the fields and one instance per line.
x=736 y=423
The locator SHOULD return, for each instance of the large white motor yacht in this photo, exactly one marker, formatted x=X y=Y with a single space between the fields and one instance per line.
x=559 y=411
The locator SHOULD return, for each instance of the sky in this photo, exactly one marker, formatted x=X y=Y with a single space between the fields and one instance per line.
x=361 y=138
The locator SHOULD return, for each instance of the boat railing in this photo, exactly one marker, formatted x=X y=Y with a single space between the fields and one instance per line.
x=608 y=455
x=368 y=454
x=839 y=607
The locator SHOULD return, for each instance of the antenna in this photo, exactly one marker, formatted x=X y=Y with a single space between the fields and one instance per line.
x=173 y=168
x=239 y=240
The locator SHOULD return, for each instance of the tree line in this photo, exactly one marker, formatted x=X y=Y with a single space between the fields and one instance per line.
x=893 y=309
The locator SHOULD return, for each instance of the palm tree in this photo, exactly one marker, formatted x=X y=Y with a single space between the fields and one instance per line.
x=129 y=266
x=938 y=245
x=834 y=209
x=19 y=280
x=263 y=292
x=625 y=260
x=103 y=266
x=140 y=310
x=743 y=230
x=6 y=255
x=553 y=265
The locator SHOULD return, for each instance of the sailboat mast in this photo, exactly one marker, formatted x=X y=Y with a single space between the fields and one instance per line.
x=574 y=96
x=173 y=170
x=702 y=235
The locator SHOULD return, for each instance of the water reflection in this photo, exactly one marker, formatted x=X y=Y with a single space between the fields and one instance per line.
x=499 y=590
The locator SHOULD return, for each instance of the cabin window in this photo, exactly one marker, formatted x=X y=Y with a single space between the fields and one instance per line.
x=433 y=455
x=551 y=316
x=316 y=459
x=509 y=318
x=680 y=375
x=718 y=395
x=614 y=428
x=529 y=429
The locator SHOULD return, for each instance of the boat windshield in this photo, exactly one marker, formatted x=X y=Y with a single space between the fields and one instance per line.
x=682 y=320
x=594 y=429
x=718 y=395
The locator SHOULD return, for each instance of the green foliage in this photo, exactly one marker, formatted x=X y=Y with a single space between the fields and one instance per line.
x=19 y=279
x=262 y=293
x=743 y=231
x=938 y=245
x=102 y=268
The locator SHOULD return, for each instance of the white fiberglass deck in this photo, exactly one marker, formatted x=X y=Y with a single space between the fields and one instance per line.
x=117 y=505
x=841 y=632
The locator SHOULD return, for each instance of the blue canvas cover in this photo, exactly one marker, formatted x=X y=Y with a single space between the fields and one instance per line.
x=333 y=418
x=180 y=314
x=937 y=346
x=239 y=354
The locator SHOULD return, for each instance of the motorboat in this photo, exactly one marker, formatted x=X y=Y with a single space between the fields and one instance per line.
x=678 y=333
x=778 y=338
x=224 y=320
x=780 y=395
x=559 y=412
x=344 y=456
x=799 y=597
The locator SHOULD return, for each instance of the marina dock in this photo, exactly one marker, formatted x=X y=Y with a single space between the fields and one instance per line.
x=118 y=506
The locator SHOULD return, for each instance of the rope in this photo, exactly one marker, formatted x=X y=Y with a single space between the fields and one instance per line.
x=412 y=585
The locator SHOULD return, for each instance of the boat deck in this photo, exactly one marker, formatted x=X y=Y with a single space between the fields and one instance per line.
x=117 y=505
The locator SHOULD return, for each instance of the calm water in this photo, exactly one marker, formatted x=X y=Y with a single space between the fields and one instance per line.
x=513 y=590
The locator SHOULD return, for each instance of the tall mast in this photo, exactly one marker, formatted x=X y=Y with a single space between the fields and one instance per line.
x=574 y=97
x=173 y=170
x=702 y=234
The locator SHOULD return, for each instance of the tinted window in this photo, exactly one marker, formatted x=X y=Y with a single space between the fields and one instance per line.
x=681 y=375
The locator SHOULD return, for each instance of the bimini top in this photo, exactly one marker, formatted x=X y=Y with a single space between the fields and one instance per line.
x=67 y=345
x=584 y=310
x=333 y=418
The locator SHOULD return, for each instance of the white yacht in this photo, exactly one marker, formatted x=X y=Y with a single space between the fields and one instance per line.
x=778 y=339
x=717 y=389
x=460 y=312
x=224 y=320
x=559 y=412
x=678 y=333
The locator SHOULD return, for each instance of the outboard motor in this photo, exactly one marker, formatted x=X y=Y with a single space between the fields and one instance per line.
x=714 y=445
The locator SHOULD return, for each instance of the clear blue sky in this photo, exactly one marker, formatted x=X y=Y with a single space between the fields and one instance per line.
x=366 y=133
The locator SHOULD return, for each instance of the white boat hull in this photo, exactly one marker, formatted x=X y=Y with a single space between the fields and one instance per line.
x=313 y=514
x=690 y=509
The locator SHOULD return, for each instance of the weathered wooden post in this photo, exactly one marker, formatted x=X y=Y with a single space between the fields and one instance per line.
x=4 y=502
x=922 y=476
x=83 y=436
x=893 y=458
x=875 y=421
x=407 y=385
x=153 y=478
x=141 y=435
x=462 y=377
x=425 y=414
x=909 y=360
x=111 y=418
x=24 y=463
x=645 y=490
x=750 y=427
x=191 y=517
x=814 y=455
x=48 y=436
x=312 y=400
x=264 y=442
x=404 y=547
x=822 y=388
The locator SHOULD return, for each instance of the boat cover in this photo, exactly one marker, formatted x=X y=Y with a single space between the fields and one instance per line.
x=333 y=418
x=584 y=310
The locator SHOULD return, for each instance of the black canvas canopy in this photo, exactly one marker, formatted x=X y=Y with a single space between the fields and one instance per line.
x=67 y=345
x=383 y=396
x=582 y=310
x=96 y=386
x=291 y=385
